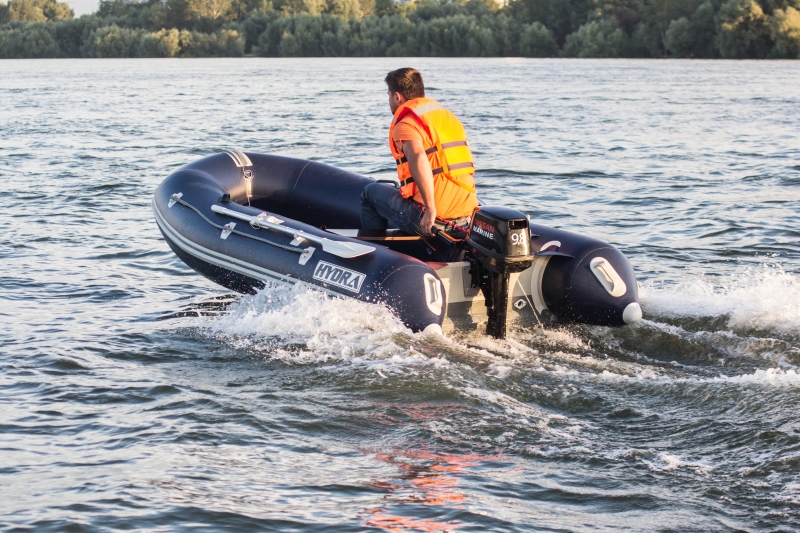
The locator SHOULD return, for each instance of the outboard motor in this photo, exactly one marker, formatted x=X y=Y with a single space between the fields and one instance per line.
x=498 y=243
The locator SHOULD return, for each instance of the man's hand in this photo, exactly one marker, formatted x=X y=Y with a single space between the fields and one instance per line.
x=420 y=168
x=428 y=218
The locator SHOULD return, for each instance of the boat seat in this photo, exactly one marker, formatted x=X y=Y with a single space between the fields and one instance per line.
x=376 y=235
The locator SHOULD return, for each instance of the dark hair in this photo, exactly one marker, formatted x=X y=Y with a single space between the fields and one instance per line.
x=406 y=81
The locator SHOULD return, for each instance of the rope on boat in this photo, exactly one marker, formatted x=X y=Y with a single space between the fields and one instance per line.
x=237 y=232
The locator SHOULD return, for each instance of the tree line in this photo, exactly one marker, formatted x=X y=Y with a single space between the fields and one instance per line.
x=733 y=29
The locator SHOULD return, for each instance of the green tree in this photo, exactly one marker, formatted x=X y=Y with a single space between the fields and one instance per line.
x=743 y=30
x=536 y=40
x=243 y=8
x=24 y=11
x=296 y=7
x=704 y=31
x=599 y=38
x=344 y=8
x=679 y=39
x=254 y=25
x=35 y=11
x=205 y=15
x=212 y=9
x=71 y=34
x=367 y=8
x=646 y=40
x=222 y=43
x=529 y=11
x=785 y=31
x=627 y=12
x=385 y=7
x=151 y=15
x=113 y=41
x=298 y=36
x=29 y=41
x=582 y=28
x=695 y=36
x=164 y=43
x=111 y=8
x=566 y=16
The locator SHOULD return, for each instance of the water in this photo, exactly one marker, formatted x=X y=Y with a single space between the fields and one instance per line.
x=134 y=394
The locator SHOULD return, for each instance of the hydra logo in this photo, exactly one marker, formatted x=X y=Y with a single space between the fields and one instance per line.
x=341 y=277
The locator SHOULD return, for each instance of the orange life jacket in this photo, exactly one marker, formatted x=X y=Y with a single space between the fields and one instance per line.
x=445 y=142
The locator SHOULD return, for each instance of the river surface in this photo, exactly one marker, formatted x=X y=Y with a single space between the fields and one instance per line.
x=137 y=395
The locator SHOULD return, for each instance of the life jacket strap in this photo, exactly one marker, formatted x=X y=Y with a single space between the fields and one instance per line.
x=433 y=150
x=440 y=170
x=457 y=166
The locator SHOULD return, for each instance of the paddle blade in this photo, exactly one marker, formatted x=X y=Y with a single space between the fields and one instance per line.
x=345 y=249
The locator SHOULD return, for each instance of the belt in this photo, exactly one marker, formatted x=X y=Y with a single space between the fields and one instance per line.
x=462 y=222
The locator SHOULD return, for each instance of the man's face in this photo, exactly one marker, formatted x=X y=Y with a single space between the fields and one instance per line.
x=395 y=100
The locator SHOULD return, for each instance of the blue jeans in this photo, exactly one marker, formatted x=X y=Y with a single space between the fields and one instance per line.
x=382 y=207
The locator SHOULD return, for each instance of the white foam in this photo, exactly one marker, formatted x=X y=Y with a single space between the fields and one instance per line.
x=666 y=461
x=556 y=339
x=765 y=297
x=642 y=375
x=790 y=494
x=500 y=371
x=771 y=376
x=301 y=325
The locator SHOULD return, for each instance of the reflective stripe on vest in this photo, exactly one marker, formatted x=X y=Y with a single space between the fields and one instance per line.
x=439 y=170
x=433 y=149
x=424 y=108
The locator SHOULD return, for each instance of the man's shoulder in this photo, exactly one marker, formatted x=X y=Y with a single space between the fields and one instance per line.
x=407 y=130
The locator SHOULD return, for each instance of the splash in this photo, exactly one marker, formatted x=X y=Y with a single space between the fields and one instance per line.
x=775 y=377
x=301 y=325
x=666 y=461
x=770 y=378
x=765 y=297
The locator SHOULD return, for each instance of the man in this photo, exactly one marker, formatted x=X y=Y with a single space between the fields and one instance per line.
x=434 y=164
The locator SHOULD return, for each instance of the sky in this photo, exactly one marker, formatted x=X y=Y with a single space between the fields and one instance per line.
x=83 y=7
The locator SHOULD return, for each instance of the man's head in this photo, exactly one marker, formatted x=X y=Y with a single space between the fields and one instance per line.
x=404 y=84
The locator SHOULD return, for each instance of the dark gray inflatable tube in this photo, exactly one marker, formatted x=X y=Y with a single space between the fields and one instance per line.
x=571 y=287
x=243 y=264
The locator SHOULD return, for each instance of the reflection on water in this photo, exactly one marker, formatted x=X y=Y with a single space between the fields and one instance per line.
x=429 y=479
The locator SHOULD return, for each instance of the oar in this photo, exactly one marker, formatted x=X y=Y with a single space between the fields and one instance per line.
x=337 y=248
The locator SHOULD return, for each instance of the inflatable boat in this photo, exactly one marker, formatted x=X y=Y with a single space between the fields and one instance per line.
x=244 y=220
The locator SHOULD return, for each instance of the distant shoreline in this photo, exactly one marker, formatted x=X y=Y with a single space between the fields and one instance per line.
x=736 y=29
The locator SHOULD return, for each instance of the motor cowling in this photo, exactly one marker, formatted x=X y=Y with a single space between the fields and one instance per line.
x=498 y=243
x=500 y=237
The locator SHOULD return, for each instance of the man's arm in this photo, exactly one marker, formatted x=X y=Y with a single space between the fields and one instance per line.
x=420 y=168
